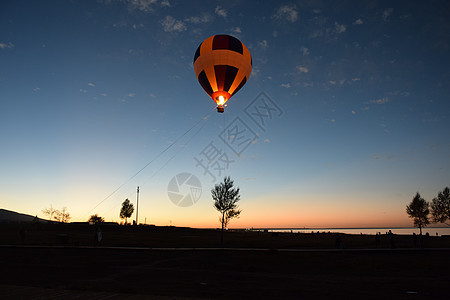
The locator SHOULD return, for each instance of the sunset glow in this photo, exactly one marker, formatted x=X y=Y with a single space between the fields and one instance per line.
x=343 y=119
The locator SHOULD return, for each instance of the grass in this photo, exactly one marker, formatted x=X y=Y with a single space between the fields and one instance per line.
x=71 y=271
x=152 y=236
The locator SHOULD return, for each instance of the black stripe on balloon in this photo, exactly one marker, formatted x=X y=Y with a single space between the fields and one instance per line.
x=225 y=76
x=226 y=42
x=197 y=53
x=235 y=45
x=220 y=71
x=203 y=79
x=229 y=77
x=244 y=80
x=220 y=42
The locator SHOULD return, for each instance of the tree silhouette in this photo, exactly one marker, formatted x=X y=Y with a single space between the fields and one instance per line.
x=96 y=219
x=440 y=207
x=418 y=209
x=225 y=198
x=49 y=212
x=127 y=210
x=62 y=216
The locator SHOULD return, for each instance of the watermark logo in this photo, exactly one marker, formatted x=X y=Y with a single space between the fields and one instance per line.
x=213 y=160
x=184 y=189
x=262 y=110
x=238 y=135
x=244 y=130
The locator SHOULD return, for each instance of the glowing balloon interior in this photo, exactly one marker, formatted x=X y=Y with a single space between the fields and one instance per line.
x=222 y=65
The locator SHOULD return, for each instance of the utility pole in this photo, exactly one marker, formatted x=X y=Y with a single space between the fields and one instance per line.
x=137 y=206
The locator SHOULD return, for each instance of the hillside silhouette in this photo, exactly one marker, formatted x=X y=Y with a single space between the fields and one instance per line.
x=12 y=216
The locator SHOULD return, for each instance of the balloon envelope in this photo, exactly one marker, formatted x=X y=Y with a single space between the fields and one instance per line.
x=222 y=65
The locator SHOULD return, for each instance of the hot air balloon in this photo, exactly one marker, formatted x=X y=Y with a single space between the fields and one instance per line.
x=222 y=65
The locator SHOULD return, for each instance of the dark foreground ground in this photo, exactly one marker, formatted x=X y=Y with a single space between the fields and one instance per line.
x=40 y=269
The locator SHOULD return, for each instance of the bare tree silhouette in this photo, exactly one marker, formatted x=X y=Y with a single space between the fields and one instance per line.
x=50 y=212
x=62 y=216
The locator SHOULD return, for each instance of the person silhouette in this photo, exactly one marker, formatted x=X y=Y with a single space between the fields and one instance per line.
x=97 y=235
x=377 y=240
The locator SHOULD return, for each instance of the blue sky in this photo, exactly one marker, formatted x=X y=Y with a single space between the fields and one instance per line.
x=91 y=92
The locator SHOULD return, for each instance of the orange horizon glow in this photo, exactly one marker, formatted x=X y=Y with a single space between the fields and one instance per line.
x=253 y=220
x=307 y=210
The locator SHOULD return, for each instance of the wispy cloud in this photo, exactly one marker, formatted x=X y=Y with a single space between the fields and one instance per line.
x=83 y=91
x=263 y=44
x=316 y=33
x=127 y=97
x=221 y=11
x=142 y=5
x=304 y=50
x=339 y=28
x=236 y=30
x=337 y=82
x=170 y=24
x=6 y=45
x=91 y=84
x=286 y=85
x=386 y=14
x=204 y=18
x=358 y=22
x=287 y=12
x=121 y=24
x=378 y=101
x=165 y=3
x=37 y=89
x=135 y=52
x=377 y=156
x=302 y=69
x=124 y=24
x=255 y=71
x=136 y=26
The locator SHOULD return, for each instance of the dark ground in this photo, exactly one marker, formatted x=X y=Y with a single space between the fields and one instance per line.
x=39 y=270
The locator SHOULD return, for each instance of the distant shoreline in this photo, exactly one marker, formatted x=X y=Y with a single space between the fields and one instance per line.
x=329 y=228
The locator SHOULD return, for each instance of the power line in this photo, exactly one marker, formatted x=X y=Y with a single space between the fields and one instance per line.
x=205 y=117
x=163 y=166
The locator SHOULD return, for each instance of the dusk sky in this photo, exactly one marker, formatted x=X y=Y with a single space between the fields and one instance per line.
x=99 y=97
